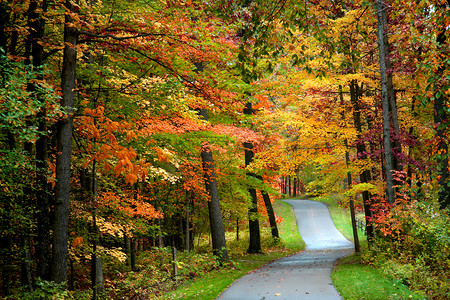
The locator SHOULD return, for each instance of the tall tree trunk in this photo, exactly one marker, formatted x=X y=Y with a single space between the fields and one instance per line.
x=5 y=241
x=253 y=217
x=270 y=211
x=385 y=94
x=361 y=153
x=133 y=253
x=187 y=236
x=440 y=118
x=271 y=214
x=37 y=27
x=352 y=202
x=64 y=151
x=215 y=216
x=96 y=263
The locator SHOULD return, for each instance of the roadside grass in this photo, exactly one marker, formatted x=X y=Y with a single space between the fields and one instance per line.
x=355 y=280
x=210 y=285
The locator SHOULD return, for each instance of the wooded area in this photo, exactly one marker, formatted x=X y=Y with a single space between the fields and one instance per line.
x=129 y=126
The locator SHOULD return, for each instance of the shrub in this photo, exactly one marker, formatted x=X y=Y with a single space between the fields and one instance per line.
x=413 y=245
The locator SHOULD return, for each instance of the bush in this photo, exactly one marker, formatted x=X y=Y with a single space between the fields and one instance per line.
x=413 y=246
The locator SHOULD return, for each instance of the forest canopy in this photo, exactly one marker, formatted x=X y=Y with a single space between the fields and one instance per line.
x=130 y=125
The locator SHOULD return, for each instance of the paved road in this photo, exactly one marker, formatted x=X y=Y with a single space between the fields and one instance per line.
x=302 y=276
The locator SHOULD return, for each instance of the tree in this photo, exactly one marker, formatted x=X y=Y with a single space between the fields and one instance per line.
x=441 y=115
x=215 y=217
x=64 y=150
x=387 y=96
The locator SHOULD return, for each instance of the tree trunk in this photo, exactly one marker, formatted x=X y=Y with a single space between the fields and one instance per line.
x=385 y=93
x=441 y=118
x=187 y=236
x=27 y=270
x=360 y=152
x=352 y=202
x=64 y=150
x=215 y=217
x=126 y=242
x=253 y=221
x=5 y=241
x=133 y=254
x=37 y=27
x=271 y=214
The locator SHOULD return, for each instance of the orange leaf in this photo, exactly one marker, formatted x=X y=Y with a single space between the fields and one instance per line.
x=131 y=178
x=77 y=241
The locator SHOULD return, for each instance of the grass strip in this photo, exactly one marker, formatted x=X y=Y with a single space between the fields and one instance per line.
x=355 y=281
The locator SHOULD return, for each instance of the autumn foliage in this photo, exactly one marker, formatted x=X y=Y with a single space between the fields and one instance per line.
x=144 y=71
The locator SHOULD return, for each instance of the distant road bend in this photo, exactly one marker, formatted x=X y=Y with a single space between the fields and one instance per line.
x=302 y=276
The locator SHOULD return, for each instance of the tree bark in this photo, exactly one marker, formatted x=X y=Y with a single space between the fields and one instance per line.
x=187 y=236
x=215 y=216
x=352 y=202
x=133 y=253
x=271 y=214
x=440 y=119
x=385 y=93
x=36 y=22
x=253 y=221
x=360 y=152
x=64 y=151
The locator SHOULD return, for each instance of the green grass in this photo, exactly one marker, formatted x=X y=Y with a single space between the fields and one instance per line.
x=211 y=285
x=354 y=280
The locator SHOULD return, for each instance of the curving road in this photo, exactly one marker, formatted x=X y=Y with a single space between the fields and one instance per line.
x=305 y=275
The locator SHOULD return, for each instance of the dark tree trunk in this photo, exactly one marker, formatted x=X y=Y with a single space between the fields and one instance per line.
x=441 y=118
x=271 y=214
x=37 y=26
x=133 y=254
x=215 y=217
x=289 y=190
x=253 y=221
x=27 y=270
x=126 y=242
x=294 y=190
x=361 y=154
x=187 y=236
x=385 y=95
x=253 y=216
x=64 y=150
x=352 y=203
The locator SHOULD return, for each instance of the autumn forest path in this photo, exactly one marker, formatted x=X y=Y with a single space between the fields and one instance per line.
x=305 y=275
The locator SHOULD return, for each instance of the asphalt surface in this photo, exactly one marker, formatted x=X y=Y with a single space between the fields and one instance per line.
x=305 y=275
